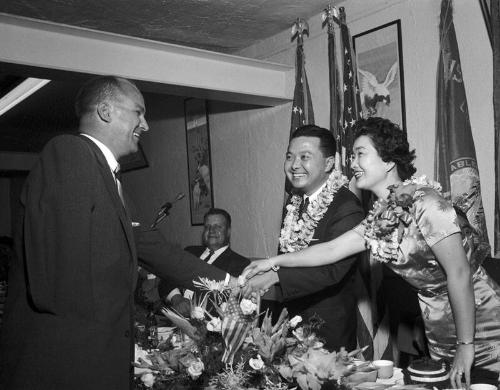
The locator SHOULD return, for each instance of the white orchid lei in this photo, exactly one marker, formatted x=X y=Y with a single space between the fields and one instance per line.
x=384 y=226
x=298 y=232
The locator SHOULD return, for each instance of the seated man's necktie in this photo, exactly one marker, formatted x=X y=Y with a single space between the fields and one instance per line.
x=210 y=254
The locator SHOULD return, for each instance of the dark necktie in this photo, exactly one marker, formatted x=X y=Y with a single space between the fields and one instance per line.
x=117 y=172
x=303 y=206
x=210 y=254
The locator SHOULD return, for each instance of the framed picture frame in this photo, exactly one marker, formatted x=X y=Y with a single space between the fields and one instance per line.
x=379 y=59
x=199 y=159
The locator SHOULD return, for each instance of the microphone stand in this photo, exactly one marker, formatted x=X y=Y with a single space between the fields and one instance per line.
x=164 y=210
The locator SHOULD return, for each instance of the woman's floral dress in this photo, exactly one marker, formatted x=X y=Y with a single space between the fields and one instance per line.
x=414 y=219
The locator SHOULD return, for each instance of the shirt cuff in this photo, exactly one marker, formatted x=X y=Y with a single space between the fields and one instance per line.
x=172 y=293
x=227 y=280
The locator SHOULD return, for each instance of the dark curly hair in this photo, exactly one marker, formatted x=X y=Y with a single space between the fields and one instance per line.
x=390 y=142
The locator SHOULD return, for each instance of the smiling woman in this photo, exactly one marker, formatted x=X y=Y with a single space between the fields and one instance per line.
x=415 y=232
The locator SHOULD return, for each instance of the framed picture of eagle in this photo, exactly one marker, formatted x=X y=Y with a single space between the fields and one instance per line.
x=379 y=60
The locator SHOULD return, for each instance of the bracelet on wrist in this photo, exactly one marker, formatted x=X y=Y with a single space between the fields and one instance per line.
x=459 y=342
x=275 y=268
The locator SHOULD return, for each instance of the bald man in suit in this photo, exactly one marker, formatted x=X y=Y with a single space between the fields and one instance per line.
x=68 y=318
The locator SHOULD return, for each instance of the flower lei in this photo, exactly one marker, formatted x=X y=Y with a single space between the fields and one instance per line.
x=298 y=232
x=385 y=224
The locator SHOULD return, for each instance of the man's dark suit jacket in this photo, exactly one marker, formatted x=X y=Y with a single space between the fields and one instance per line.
x=328 y=291
x=229 y=261
x=68 y=318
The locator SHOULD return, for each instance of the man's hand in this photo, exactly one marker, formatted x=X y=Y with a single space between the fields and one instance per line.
x=181 y=305
x=260 y=283
x=254 y=268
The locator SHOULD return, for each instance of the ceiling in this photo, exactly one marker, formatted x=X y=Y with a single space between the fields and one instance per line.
x=219 y=25
x=225 y=26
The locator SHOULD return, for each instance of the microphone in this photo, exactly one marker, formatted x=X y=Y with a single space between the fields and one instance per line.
x=165 y=208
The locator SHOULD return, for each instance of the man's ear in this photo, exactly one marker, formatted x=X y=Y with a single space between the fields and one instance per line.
x=330 y=163
x=104 y=111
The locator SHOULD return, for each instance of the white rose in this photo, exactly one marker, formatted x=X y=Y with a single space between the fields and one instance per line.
x=195 y=369
x=247 y=306
x=198 y=313
x=257 y=364
x=295 y=321
x=141 y=354
x=176 y=341
x=215 y=325
x=148 y=379
x=299 y=334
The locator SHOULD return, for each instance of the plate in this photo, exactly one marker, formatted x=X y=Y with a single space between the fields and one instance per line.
x=397 y=378
x=370 y=386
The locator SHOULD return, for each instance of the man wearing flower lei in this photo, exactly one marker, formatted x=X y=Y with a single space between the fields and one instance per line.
x=327 y=290
x=415 y=231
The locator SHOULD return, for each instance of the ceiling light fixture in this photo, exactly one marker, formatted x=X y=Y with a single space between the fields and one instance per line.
x=21 y=92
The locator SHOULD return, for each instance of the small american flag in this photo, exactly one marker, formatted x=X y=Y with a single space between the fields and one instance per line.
x=235 y=327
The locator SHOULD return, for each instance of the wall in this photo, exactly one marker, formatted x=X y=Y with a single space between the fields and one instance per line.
x=247 y=146
x=165 y=149
x=248 y=143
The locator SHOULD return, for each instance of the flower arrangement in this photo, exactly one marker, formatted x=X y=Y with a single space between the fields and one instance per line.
x=387 y=220
x=297 y=230
x=229 y=350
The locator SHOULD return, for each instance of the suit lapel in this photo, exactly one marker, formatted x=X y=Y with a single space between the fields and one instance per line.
x=221 y=260
x=112 y=190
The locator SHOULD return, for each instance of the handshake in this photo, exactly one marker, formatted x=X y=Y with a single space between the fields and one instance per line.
x=257 y=277
x=256 y=280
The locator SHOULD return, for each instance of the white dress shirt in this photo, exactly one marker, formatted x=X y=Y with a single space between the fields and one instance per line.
x=108 y=154
x=214 y=257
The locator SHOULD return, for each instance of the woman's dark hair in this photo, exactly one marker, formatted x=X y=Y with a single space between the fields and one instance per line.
x=390 y=142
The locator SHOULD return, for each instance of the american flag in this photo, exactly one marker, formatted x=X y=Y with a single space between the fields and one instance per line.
x=302 y=110
x=373 y=318
x=330 y=16
x=352 y=102
x=235 y=327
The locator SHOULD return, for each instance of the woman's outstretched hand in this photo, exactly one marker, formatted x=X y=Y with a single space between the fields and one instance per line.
x=256 y=267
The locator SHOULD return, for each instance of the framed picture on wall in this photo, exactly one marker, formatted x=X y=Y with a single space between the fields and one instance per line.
x=199 y=160
x=379 y=57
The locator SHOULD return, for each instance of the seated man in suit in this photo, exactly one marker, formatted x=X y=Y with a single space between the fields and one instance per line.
x=215 y=250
